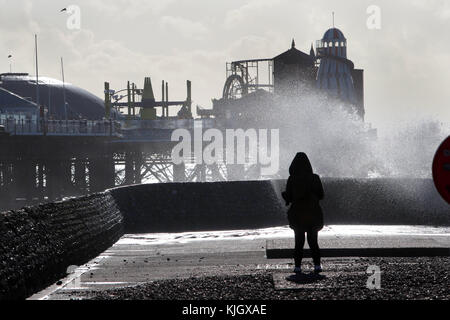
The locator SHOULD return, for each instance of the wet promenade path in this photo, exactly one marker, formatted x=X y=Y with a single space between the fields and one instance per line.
x=137 y=259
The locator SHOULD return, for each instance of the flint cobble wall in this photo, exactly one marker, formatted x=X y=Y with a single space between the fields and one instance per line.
x=37 y=244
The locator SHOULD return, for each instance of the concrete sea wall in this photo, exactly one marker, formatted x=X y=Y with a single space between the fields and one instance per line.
x=172 y=207
x=381 y=201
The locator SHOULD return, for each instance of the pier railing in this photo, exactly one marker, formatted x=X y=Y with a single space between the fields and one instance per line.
x=61 y=127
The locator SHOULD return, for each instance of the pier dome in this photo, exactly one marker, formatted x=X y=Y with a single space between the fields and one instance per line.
x=333 y=43
x=333 y=34
x=81 y=104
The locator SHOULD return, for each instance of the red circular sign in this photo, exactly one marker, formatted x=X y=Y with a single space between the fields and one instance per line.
x=441 y=169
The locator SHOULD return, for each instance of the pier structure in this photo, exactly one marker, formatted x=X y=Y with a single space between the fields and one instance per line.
x=53 y=160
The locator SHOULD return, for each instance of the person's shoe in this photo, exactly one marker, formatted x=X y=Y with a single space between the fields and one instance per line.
x=298 y=270
x=317 y=268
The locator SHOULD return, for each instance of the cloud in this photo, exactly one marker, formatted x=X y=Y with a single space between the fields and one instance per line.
x=125 y=9
x=236 y=17
x=184 y=27
x=175 y=40
x=253 y=47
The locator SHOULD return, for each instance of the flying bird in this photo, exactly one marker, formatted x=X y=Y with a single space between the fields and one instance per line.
x=63 y=9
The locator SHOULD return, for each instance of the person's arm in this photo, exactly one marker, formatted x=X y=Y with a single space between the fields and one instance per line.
x=287 y=195
x=319 y=188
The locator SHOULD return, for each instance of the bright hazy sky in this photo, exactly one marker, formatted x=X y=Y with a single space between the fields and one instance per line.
x=406 y=62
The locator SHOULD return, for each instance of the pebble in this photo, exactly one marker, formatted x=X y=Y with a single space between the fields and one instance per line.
x=425 y=280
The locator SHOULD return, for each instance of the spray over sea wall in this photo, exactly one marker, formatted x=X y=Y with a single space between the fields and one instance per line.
x=340 y=144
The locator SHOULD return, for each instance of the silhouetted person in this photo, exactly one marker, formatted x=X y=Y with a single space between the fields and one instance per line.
x=304 y=190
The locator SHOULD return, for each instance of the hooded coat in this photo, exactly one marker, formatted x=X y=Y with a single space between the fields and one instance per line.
x=304 y=191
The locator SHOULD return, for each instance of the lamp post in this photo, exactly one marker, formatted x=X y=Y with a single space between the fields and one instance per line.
x=64 y=89
x=37 y=70
x=10 y=63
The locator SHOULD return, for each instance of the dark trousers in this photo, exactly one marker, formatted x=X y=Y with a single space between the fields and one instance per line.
x=300 y=242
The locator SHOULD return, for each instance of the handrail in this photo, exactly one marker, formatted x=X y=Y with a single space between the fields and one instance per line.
x=61 y=127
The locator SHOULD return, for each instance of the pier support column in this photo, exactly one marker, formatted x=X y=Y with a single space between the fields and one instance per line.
x=66 y=177
x=53 y=180
x=138 y=167
x=179 y=172
x=40 y=181
x=5 y=185
x=80 y=176
x=202 y=172
x=101 y=173
x=25 y=180
x=129 y=168
x=235 y=172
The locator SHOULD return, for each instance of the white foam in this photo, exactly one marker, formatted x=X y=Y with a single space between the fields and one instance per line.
x=279 y=232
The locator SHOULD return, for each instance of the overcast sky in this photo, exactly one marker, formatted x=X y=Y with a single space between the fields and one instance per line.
x=406 y=62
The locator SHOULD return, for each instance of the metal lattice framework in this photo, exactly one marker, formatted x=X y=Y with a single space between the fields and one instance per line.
x=159 y=168
x=243 y=77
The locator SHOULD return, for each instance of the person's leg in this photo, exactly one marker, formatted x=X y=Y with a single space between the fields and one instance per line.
x=299 y=243
x=314 y=246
